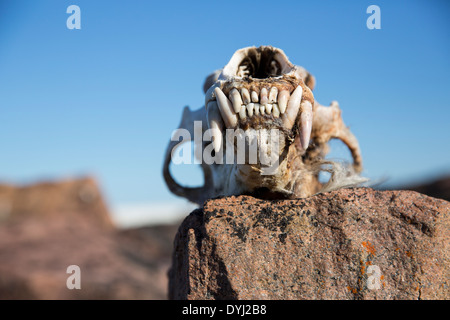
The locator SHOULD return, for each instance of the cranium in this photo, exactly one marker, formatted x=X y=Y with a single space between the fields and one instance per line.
x=260 y=94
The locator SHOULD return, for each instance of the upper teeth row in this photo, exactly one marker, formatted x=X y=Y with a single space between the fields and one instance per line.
x=267 y=99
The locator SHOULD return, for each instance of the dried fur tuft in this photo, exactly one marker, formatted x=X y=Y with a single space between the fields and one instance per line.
x=342 y=175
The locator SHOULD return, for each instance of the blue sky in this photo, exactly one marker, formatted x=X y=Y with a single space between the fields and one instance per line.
x=105 y=99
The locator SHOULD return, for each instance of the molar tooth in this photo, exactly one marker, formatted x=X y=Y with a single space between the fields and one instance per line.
x=269 y=108
x=215 y=123
x=283 y=98
x=254 y=96
x=273 y=95
x=250 y=108
x=226 y=109
x=293 y=107
x=264 y=96
x=275 y=110
x=257 y=109
x=245 y=96
x=236 y=100
x=306 y=118
x=242 y=114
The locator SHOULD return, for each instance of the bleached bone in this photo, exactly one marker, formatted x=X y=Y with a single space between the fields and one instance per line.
x=196 y=195
x=259 y=89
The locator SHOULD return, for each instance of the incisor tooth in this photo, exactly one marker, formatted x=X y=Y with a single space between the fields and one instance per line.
x=264 y=96
x=245 y=96
x=268 y=108
x=292 y=108
x=262 y=109
x=275 y=110
x=254 y=96
x=256 y=109
x=306 y=119
x=226 y=109
x=242 y=113
x=236 y=100
x=283 y=98
x=273 y=95
x=215 y=123
x=250 y=108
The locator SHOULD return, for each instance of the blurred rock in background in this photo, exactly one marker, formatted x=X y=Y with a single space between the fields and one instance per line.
x=46 y=227
x=439 y=188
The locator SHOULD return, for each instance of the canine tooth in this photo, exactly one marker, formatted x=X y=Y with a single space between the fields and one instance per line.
x=264 y=96
x=257 y=109
x=245 y=96
x=306 y=118
x=250 y=108
x=236 y=100
x=292 y=108
x=242 y=114
x=273 y=95
x=275 y=110
x=268 y=108
x=262 y=109
x=254 y=96
x=215 y=123
x=226 y=109
x=283 y=98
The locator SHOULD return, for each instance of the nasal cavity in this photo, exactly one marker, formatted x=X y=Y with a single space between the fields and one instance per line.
x=259 y=64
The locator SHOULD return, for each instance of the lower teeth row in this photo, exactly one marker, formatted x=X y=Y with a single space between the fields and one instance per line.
x=257 y=109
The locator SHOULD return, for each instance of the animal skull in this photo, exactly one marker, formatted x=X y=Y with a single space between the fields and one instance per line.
x=260 y=96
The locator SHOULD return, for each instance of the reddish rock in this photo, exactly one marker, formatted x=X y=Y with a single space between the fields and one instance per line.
x=34 y=258
x=50 y=200
x=48 y=227
x=347 y=244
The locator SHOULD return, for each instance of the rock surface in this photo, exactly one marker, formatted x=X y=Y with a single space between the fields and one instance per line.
x=346 y=244
x=47 y=227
